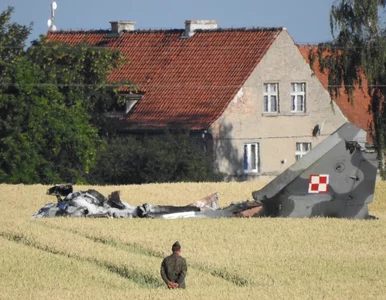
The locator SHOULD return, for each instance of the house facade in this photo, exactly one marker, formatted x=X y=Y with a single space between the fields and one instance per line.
x=269 y=124
x=250 y=93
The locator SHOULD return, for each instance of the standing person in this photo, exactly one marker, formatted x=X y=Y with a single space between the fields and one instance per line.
x=174 y=268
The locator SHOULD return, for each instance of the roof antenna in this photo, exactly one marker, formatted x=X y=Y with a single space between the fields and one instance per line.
x=50 y=21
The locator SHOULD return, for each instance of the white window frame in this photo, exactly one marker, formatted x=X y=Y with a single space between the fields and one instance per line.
x=268 y=92
x=248 y=147
x=298 y=89
x=301 y=150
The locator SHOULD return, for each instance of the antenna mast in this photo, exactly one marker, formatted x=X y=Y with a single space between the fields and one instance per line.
x=50 y=21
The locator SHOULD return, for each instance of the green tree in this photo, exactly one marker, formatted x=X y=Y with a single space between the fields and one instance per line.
x=164 y=158
x=358 y=48
x=79 y=72
x=51 y=99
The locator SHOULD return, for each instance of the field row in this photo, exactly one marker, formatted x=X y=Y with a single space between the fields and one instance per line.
x=65 y=258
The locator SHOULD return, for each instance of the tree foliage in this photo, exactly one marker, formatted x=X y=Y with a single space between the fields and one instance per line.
x=358 y=50
x=51 y=98
x=80 y=73
x=163 y=158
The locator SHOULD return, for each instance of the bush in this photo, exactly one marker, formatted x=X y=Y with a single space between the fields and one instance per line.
x=162 y=158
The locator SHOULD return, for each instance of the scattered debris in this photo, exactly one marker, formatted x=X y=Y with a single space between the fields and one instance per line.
x=93 y=204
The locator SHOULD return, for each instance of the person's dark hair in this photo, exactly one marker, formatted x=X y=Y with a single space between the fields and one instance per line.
x=176 y=247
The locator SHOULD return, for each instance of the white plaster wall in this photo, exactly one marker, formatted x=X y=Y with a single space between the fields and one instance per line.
x=245 y=122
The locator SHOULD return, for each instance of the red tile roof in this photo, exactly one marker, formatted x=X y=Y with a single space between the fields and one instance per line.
x=356 y=113
x=187 y=82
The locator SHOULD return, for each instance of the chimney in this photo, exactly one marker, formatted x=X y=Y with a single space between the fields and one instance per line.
x=192 y=25
x=119 y=26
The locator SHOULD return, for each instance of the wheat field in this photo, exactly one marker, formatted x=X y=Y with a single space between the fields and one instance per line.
x=257 y=258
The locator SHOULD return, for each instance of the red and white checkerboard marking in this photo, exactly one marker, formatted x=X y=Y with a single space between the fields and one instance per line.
x=318 y=183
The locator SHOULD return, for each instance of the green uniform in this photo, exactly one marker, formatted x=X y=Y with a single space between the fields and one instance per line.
x=174 y=268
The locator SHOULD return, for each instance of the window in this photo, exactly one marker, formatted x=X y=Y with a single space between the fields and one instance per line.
x=298 y=97
x=251 y=158
x=302 y=149
x=271 y=97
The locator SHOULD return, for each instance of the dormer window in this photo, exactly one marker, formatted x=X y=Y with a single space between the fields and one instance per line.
x=131 y=101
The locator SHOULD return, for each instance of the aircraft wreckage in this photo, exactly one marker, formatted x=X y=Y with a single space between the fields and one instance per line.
x=335 y=179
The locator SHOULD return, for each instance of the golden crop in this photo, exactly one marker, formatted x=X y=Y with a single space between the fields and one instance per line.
x=67 y=258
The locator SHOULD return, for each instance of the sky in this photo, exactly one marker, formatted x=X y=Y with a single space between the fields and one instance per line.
x=307 y=21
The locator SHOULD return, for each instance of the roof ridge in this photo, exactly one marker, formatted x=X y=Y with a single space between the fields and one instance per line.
x=78 y=31
x=226 y=29
x=104 y=31
x=176 y=30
